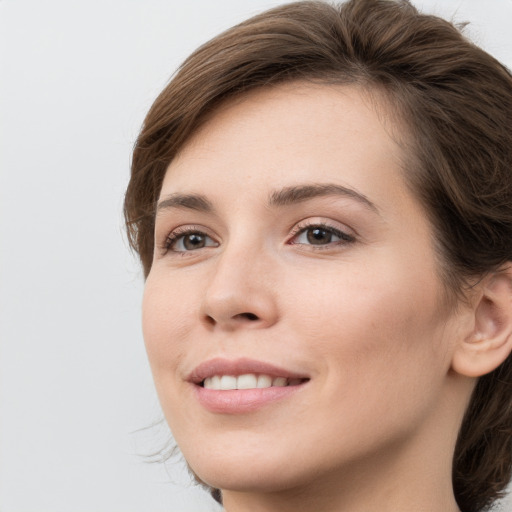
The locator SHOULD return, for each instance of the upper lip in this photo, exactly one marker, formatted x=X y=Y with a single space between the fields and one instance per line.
x=236 y=367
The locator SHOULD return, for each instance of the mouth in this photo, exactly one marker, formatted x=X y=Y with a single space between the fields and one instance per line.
x=243 y=385
x=248 y=381
x=243 y=373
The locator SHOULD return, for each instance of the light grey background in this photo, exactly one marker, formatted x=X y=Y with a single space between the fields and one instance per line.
x=76 y=79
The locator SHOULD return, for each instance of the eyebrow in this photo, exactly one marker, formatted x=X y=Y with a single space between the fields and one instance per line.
x=297 y=194
x=278 y=198
x=190 y=201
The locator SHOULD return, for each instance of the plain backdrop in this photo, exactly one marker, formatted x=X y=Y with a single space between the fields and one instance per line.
x=76 y=78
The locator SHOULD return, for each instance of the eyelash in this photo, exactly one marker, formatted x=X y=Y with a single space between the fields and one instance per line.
x=344 y=238
x=180 y=233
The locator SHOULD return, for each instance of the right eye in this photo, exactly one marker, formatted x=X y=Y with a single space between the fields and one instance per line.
x=189 y=240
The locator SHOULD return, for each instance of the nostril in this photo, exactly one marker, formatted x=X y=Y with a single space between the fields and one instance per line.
x=248 y=316
x=210 y=320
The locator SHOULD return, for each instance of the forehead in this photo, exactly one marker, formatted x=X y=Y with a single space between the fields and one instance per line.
x=276 y=137
x=312 y=110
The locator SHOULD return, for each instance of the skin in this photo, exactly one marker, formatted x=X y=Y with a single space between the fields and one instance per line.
x=362 y=315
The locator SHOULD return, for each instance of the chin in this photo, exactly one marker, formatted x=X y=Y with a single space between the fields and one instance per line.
x=249 y=479
x=242 y=471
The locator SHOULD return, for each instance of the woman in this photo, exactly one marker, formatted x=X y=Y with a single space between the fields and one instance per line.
x=322 y=202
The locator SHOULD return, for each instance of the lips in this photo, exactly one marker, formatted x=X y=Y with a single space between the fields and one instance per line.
x=243 y=386
x=235 y=368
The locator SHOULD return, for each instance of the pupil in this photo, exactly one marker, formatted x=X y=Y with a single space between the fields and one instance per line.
x=194 y=241
x=319 y=236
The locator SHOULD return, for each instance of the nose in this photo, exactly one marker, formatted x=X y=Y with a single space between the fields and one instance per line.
x=240 y=293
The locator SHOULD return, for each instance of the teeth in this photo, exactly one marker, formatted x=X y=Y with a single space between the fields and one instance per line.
x=227 y=382
x=264 y=381
x=279 y=381
x=247 y=381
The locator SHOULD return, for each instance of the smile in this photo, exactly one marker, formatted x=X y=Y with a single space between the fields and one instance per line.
x=247 y=381
x=241 y=386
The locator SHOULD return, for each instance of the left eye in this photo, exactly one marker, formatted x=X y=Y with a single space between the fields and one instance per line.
x=190 y=241
x=321 y=235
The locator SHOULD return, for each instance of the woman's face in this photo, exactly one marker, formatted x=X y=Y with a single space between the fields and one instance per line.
x=289 y=251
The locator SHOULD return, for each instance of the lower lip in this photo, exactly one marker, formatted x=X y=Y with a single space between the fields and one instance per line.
x=239 y=401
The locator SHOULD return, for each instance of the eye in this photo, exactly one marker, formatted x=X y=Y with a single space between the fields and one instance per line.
x=321 y=235
x=189 y=240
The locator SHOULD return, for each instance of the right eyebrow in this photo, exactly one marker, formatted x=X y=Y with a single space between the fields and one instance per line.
x=189 y=201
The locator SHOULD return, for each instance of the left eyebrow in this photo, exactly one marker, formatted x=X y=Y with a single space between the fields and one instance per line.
x=299 y=193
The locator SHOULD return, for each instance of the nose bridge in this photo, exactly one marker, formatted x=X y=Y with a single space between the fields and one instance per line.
x=239 y=291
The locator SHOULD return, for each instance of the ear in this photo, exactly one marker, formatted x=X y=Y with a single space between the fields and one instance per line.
x=489 y=341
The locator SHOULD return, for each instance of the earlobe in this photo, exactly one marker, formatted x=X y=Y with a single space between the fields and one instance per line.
x=490 y=341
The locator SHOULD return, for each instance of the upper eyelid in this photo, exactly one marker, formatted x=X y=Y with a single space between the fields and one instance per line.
x=323 y=222
x=345 y=237
x=190 y=229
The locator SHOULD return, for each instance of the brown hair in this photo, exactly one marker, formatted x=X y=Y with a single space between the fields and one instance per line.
x=456 y=101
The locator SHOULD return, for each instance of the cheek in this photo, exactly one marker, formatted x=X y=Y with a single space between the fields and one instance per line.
x=165 y=324
x=382 y=339
x=371 y=299
x=383 y=363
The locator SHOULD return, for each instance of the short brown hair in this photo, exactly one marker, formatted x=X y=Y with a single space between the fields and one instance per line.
x=456 y=101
